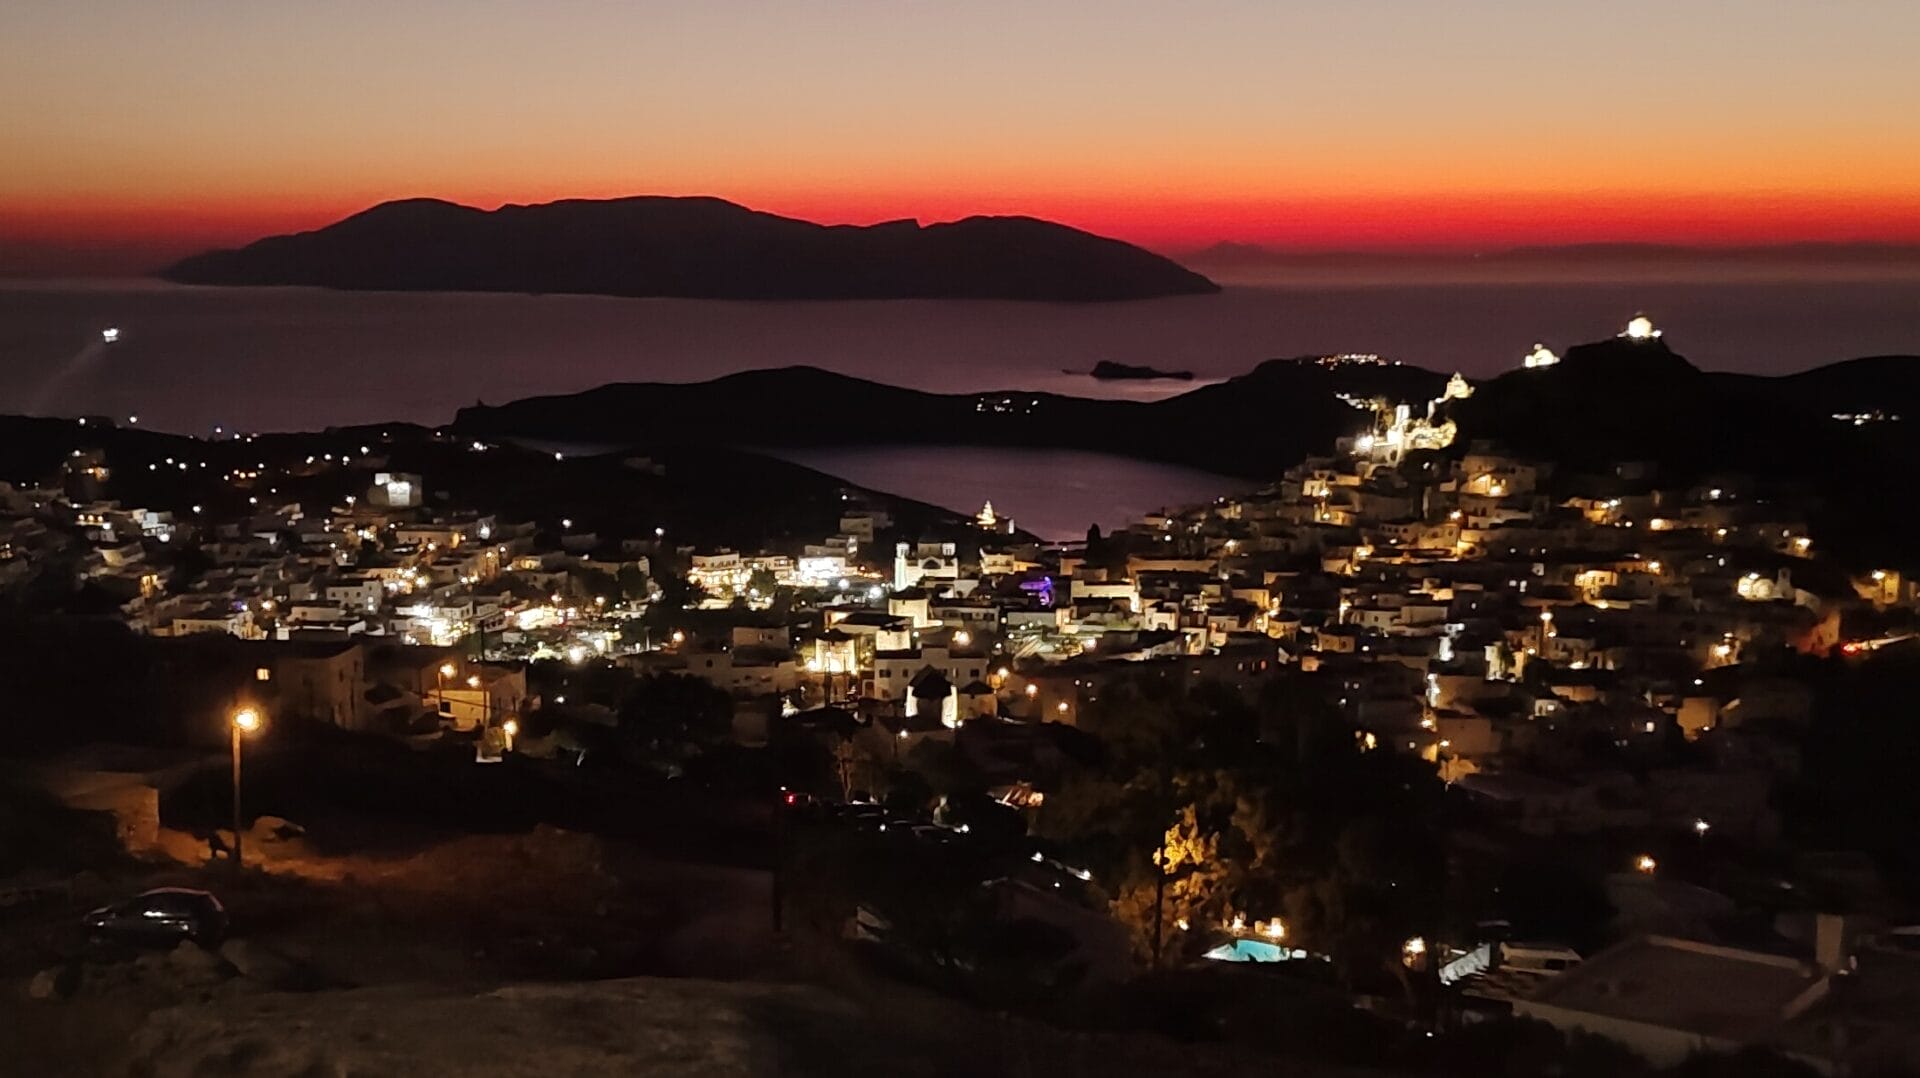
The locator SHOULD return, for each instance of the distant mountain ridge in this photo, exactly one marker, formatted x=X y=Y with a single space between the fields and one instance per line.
x=1232 y=252
x=1606 y=401
x=693 y=248
x=1254 y=425
x=1610 y=401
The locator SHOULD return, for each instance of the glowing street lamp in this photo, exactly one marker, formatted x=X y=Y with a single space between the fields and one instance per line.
x=1413 y=951
x=244 y=721
x=1645 y=864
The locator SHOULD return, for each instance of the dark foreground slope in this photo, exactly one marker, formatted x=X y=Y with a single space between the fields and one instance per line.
x=696 y=248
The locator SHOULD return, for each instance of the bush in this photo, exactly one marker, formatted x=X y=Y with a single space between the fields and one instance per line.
x=38 y=832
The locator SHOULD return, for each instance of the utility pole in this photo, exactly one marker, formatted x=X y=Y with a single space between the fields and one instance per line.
x=1160 y=863
x=1159 y=897
x=781 y=806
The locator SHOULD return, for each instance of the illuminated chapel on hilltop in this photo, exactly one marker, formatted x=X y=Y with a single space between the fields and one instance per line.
x=1397 y=431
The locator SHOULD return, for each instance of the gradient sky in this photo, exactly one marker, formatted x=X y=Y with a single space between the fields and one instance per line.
x=157 y=126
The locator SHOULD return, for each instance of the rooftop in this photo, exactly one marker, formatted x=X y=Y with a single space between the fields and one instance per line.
x=1713 y=991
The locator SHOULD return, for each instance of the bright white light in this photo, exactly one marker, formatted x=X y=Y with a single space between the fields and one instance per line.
x=1640 y=328
x=109 y=335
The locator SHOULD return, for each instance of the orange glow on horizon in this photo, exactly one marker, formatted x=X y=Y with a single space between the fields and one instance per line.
x=1409 y=221
x=1315 y=124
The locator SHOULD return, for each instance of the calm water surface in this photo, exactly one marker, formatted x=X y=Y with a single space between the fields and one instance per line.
x=1053 y=493
x=278 y=358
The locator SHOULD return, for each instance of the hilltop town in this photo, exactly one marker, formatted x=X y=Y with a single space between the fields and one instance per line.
x=1428 y=725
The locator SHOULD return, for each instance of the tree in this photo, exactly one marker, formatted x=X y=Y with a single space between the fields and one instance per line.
x=633 y=584
x=846 y=766
x=1860 y=752
x=1184 y=881
x=908 y=792
x=671 y=716
x=1258 y=811
x=1381 y=889
x=595 y=583
x=676 y=595
x=947 y=769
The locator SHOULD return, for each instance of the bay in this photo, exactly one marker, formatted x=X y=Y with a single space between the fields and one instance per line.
x=1053 y=493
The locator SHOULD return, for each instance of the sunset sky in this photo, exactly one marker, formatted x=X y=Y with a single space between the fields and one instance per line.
x=145 y=129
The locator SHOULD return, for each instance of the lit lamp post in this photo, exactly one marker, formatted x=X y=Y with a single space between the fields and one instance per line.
x=445 y=672
x=486 y=703
x=245 y=721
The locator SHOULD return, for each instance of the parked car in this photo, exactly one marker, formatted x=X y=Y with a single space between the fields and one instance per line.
x=163 y=916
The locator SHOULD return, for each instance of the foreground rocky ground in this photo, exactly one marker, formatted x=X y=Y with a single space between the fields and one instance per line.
x=545 y=953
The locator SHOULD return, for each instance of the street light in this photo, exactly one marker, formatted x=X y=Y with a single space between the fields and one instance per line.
x=244 y=721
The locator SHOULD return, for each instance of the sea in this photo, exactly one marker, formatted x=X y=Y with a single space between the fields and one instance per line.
x=190 y=359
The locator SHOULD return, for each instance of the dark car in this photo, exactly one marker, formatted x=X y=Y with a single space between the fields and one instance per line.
x=163 y=916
